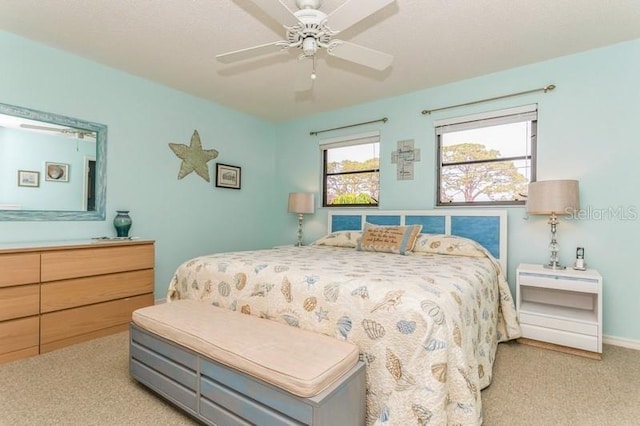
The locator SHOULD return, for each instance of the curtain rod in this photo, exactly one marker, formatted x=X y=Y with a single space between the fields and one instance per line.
x=544 y=89
x=384 y=120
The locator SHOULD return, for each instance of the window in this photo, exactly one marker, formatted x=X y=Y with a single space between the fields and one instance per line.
x=486 y=159
x=351 y=170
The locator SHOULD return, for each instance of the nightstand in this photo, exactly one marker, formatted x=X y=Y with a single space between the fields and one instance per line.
x=560 y=309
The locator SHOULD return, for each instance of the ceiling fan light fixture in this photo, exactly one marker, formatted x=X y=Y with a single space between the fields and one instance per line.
x=309 y=46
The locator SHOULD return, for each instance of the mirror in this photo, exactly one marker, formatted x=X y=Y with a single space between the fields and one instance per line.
x=52 y=167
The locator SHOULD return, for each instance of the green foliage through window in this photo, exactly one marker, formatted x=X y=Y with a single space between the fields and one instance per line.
x=351 y=174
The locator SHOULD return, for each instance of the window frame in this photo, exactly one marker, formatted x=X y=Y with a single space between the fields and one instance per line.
x=346 y=141
x=527 y=113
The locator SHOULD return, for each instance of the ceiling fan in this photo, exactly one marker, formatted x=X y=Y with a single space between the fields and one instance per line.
x=310 y=29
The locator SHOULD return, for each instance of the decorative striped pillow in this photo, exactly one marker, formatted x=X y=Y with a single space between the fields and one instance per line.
x=389 y=239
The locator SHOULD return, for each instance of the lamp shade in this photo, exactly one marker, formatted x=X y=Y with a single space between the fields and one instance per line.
x=301 y=202
x=553 y=196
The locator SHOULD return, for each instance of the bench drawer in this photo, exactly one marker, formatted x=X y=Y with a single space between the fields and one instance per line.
x=166 y=387
x=228 y=388
x=247 y=407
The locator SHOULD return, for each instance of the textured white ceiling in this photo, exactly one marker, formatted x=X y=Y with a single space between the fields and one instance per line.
x=434 y=42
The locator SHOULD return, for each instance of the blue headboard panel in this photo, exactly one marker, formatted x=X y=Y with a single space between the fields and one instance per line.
x=345 y=222
x=430 y=224
x=488 y=227
x=391 y=220
x=479 y=228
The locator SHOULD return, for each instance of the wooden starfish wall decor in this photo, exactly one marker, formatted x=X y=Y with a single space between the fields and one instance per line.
x=194 y=157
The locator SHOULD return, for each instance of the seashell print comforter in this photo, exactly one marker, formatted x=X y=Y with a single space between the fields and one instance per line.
x=427 y=325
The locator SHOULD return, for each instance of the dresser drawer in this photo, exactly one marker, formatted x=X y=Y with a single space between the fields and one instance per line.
x=75 y=263
x=559 y=337
x=22 y=268
x=19 y=301
x=87 y=319
x=19 y=334
x=58 y=295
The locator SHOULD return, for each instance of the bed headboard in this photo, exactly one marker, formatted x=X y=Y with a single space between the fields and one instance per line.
x=488 y=227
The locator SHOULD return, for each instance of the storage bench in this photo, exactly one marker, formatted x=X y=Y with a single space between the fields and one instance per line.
x=227 y=368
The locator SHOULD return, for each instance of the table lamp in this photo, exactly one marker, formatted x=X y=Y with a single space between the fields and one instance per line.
x=553 y=197
x=301 y=203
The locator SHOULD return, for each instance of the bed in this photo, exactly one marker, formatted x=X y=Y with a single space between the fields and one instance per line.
x=427 y=323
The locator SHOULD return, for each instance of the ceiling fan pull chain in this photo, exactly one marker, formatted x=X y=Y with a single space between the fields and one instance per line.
x=313 y=73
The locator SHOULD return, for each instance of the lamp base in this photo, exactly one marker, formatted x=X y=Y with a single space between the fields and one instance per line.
x=556 y=266
x=300 y=218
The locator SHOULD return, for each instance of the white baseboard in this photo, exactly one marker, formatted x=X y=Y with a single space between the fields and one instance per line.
x=160 y=301
x=619 y=341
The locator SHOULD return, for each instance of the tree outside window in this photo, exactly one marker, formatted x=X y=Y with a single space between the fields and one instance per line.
x=486 y=162
x=351 y=174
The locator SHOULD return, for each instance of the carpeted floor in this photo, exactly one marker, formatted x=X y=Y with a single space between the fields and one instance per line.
x=533 y=386
x=84 y=384
x=89 y=384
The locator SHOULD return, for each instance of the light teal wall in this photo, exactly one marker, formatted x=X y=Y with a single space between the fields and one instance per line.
x=186 y=218
x=587 y=130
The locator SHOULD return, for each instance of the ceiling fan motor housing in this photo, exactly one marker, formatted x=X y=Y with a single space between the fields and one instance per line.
x=311 y=31
x=308 y=4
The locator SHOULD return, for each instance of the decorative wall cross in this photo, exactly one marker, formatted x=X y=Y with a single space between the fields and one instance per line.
x=404 y=157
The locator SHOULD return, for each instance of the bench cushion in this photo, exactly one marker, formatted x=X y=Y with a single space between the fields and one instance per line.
x=298 y=361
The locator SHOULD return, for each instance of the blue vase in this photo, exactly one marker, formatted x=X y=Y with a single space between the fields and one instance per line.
x=122 y=223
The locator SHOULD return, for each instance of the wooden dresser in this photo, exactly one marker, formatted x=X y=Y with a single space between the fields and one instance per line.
x=57 y=294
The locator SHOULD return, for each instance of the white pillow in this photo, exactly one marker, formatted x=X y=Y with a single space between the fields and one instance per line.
x=340 y=239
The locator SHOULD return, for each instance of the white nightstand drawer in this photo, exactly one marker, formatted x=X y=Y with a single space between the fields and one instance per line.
x=585 y=285
x=559 y=324
x=559 y=337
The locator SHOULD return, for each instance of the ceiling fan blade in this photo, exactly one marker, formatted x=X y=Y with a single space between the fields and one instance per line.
x=360 y=55
x=278 y=11
x=353 y=11
x=303 y=81
x=66 y=131
x=43 y=128
x=251 y=52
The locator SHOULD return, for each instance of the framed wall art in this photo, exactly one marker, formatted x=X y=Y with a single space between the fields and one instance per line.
x=56 y=172
x=28 y=178
x=227 y=176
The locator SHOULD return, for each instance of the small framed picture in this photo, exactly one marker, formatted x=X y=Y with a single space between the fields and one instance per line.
x=56 y=172
x=28 y=178
x=227 y=176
